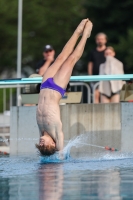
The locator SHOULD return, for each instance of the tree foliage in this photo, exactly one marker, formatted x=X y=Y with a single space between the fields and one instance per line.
x=44 y=22
x=54 y=21
x=8 y=33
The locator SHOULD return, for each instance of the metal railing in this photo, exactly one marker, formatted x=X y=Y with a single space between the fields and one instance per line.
x=8 y=102
x=8 y=96
x=81 y=84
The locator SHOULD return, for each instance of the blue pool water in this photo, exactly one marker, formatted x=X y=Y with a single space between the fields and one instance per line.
x=109 y=175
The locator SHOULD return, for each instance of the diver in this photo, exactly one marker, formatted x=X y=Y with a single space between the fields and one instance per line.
x=53 y=88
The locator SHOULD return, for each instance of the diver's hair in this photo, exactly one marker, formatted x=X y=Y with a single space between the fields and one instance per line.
x=101 y=34
x=46 y=150
x=111 y=48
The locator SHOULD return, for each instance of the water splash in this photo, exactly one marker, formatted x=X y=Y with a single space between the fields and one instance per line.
x=117 y=156
x=64 y=155
x=55 y=158
x=77 y=141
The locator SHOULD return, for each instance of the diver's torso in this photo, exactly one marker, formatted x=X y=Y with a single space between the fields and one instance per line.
x=48 y=112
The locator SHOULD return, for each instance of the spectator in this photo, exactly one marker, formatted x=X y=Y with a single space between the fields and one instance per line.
x=110 y=89
x=44 y=64
x=95 y=59
x=48 y=59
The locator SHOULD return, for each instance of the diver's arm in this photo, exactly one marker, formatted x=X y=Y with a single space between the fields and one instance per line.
x=40 y=130
x=60 y=142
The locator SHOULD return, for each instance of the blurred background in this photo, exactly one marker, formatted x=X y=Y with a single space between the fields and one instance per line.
x=53 y=22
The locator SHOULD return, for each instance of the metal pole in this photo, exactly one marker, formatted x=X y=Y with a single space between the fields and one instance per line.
x=19 y=48
x=4 y=100
x=10 y=98
x=4 y=108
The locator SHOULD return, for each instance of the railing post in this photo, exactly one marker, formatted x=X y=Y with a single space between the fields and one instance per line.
x=4 y=106
x=18 y=97
x=10 y=97
x=4 y=99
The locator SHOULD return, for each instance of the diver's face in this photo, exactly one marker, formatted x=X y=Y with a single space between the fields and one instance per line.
x=46 y=141
x=101 y=40
x=109 y=52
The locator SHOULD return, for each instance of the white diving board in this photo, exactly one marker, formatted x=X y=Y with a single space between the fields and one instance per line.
x=124 y=77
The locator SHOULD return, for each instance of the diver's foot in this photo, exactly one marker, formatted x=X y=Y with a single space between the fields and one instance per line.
x=88 y=29
x=81 y=27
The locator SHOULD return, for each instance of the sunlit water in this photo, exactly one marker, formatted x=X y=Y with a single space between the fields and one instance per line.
x=108 y=175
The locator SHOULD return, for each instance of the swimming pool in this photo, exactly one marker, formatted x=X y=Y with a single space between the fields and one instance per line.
x=108 y=176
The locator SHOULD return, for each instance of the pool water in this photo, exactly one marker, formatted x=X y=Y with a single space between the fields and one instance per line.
x=107 y=176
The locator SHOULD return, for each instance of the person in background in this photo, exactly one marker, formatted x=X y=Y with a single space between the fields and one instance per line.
x=48 y=59
x=95 y=59
x=41 y=67
x=110 y=90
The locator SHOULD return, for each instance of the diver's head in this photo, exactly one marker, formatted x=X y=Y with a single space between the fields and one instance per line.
x=46 y=146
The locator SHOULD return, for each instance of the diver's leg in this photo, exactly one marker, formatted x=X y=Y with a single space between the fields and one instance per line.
x=63 y=75
x=67 y=50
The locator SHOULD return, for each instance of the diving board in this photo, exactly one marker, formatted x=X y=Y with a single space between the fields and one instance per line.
x=124 y=77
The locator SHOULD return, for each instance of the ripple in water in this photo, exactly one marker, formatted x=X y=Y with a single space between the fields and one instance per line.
x=20 y=165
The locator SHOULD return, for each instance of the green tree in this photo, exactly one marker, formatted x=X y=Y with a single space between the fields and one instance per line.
x=43 y=22
x=8 y=33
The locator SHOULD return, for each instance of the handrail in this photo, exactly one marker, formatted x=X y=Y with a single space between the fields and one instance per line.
x=21 y=86
x=73 y=78
x=11 y=86
x=87 y=86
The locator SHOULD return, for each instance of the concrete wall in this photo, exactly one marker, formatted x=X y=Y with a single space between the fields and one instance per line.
x=104 y=124
x=127 y=127
x=23 y=130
